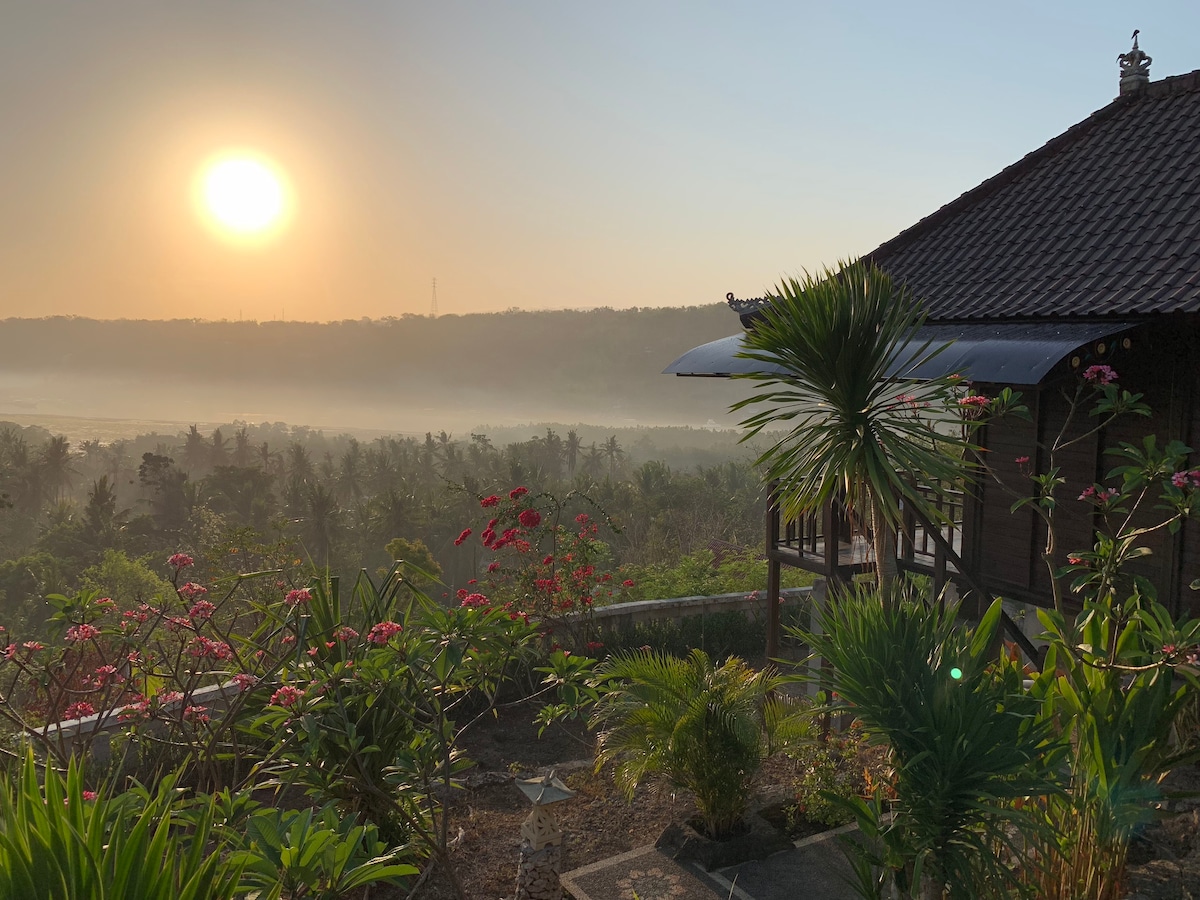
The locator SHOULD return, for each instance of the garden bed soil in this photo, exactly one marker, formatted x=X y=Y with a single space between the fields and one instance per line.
x=487 y=812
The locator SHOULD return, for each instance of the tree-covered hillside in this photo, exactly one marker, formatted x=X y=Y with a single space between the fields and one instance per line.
x=406 y=374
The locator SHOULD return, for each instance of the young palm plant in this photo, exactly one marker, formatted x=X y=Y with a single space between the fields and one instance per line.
x=706 y=727
x=857 y=426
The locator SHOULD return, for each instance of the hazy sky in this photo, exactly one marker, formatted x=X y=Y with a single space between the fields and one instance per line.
x=526 y=154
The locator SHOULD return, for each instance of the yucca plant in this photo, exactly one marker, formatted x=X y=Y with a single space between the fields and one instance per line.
x=967 y=746
x=706 y=727
x=858 y=426
x=60 y=842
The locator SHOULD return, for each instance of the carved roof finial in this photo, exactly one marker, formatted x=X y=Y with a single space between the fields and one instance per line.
x=749 y=311
x=1135 y=67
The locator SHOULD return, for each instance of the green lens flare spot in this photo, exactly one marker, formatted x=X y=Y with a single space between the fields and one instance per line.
x=956 y=673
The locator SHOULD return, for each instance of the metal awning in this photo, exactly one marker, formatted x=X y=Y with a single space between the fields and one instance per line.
x=997 y=352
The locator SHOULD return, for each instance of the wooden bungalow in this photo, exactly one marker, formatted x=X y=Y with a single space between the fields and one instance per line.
x=1084 y=252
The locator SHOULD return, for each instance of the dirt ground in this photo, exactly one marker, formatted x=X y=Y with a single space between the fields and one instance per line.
x=486 y=814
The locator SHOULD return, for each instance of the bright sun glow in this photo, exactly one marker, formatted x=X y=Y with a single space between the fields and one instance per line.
x=245 y=196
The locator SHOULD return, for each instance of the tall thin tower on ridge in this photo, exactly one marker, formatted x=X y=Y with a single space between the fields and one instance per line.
x=433 y=305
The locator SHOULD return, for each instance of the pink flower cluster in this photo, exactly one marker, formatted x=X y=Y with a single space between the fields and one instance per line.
x=382 y=632
x=206 y=648
x=190 y=590
x=1099 y=375
x=287 y=696
x=79 y=710
x=181 y=561
x=345 y=634
x=1186 y=479
x=244 y=681
x=77 y=634
x=298 y=597
x=1099 y=495
x=978 y=401
x=201 y=609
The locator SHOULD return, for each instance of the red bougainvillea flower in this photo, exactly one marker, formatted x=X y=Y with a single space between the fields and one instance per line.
x=1099 y=375
x=79 y=710
x=191 y=590
x=88 y=795
x=628 y=582
x=295 y=598
x=77 y=634
x=474 y=600
x=582 y=518
x=493 y=500
x=493 y=567
x=593 y=646
x=547 y=560
x=466 y=533
x=530 y=518
x=382 y=632
x=181 y=561
x=287 y=696
x=517 y=492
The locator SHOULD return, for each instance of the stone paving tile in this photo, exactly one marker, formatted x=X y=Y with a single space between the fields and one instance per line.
x=650 y=873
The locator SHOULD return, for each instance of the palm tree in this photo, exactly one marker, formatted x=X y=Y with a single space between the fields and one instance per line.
x=54 y=463
x=572 y=447
x=614 y=452
x=706 y=727
x=856 y=429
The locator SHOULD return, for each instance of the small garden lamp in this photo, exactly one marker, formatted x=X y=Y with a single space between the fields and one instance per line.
x=541 y=840
x=541 y=829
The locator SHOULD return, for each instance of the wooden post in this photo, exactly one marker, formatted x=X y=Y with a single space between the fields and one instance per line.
x=773 y=573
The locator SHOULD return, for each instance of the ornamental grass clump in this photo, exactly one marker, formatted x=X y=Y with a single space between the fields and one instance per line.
x=58 y=840
x=706 y=727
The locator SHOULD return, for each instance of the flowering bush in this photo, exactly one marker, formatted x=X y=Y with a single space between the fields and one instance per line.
x=542 y=563
x=1115 y=676
x=355 y=697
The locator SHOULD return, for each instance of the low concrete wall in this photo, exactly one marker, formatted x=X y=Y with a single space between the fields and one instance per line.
x=626 y=615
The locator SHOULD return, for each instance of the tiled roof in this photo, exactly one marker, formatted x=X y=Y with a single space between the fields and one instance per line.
x=1104 y=220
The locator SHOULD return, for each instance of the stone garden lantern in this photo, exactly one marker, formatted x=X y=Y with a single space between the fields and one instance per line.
x=541 y=840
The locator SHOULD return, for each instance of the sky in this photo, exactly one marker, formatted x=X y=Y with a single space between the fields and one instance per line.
x=533 y=155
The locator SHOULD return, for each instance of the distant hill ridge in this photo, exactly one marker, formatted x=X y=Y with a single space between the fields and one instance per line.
x=577 y=365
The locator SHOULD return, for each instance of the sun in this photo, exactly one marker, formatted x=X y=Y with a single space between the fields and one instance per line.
x=244 y=195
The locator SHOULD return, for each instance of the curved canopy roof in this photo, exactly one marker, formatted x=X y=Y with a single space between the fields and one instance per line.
x=996 y=352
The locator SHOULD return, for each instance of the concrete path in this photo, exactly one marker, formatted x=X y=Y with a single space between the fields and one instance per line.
x=815 y=869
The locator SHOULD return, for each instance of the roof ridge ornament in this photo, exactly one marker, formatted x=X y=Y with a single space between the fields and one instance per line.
x=749 y=311
x=1135 y=67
